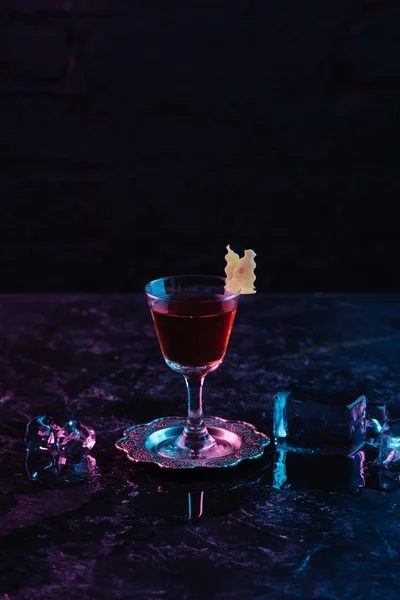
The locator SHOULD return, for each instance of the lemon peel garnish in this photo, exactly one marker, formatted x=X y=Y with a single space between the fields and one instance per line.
x=239 y=272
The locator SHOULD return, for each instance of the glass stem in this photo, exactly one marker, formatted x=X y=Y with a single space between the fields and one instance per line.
x=195 y=435
x=195 y=419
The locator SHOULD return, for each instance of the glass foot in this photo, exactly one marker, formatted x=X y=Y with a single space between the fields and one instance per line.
x=179 y=447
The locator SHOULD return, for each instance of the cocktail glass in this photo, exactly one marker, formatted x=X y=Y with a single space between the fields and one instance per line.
x=193 y=316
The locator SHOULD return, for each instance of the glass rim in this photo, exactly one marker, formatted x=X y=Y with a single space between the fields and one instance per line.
x=231 y=296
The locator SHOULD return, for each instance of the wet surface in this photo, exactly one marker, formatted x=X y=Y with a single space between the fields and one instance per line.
x=283 y=526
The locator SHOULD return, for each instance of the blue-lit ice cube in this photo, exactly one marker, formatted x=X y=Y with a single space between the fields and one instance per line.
x=320 y=419
x=377 y=422
x=389 y=449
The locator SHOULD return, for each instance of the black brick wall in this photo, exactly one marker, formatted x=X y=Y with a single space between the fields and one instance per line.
x=139 y=137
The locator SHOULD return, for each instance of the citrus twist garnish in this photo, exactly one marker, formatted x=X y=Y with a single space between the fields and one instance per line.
x=239 y=272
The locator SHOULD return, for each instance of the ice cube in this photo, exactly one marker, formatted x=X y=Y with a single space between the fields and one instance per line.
x=40 y=434
x=389 y=449
x=75 y=439
x=320 y=418
x=377 y=421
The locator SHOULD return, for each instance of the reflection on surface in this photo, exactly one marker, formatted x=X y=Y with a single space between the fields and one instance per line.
x=317 y=471
x=279 y=468
x=76 y=471
x=195 y=502
x=181 y=502
x=150 y=496
x=388 y=480
x=37 y=464
x=176 y=496
x=47 y=468
x=358 y=471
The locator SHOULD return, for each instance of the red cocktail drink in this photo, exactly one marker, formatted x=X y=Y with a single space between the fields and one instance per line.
x=193 y=330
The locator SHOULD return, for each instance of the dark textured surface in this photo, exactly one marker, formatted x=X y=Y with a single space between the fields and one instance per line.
x=124 y=531
x=137 y=124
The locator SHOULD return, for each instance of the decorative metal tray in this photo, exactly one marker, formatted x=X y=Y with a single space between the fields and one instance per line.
x=238 y=441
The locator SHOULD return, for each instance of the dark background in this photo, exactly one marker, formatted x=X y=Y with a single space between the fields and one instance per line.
x=139 y=137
